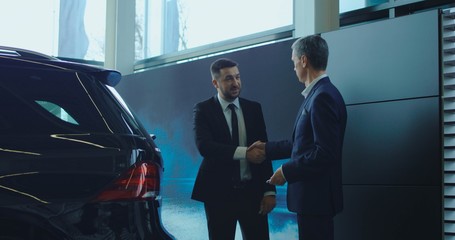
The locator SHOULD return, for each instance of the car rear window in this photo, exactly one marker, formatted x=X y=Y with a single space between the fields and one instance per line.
x=36 y=101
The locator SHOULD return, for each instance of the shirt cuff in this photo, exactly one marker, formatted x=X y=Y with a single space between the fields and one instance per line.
x=240 y=153
x=270 y=193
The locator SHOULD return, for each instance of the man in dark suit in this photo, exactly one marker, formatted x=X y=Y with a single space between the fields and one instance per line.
x=313 y=173
x=232 y=189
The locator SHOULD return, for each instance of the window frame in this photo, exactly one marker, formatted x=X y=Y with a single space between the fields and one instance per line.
x=248 y=41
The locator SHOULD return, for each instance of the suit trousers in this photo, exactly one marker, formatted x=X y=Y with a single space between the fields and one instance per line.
x=243 y=207
x=315 y=227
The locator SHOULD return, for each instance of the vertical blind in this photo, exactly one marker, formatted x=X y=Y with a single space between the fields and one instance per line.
x=448 y=75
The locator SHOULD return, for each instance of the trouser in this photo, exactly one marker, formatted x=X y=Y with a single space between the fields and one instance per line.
x=222 y=218
x=315 y=227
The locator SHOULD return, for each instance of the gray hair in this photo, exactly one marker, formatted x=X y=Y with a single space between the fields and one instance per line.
x=315 y=48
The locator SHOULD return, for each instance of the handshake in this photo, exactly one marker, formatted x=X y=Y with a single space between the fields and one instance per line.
x=256 y=152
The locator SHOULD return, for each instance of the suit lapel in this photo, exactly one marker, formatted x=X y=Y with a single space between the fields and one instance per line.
x=302 y=110
x=218 y=114
x=297 y=119
x=246 y=118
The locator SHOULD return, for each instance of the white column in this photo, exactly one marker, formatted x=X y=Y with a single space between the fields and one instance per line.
x=315 y=16
x=120 y=29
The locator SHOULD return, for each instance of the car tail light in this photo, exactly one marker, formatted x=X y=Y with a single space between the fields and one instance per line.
x=141 y=181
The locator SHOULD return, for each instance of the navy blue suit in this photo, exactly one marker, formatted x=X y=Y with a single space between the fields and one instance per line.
x=313 y=173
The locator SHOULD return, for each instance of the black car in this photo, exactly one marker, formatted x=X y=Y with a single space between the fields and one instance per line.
x=75 y=162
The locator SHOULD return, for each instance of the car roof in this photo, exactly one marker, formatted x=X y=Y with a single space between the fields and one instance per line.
x=26 y=58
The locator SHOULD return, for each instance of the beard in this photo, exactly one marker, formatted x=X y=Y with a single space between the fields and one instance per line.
x=231 y=94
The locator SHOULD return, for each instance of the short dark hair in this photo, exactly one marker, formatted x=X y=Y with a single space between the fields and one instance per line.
x=315 y=48
x=219 y=64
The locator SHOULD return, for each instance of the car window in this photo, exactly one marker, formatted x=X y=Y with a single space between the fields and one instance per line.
x=40 y=101
x=57 y=111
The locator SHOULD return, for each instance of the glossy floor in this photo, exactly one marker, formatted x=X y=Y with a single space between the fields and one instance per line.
x=185 y=218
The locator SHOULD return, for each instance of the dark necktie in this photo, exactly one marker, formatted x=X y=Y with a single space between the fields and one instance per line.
x=235 y=125
x=235 y=142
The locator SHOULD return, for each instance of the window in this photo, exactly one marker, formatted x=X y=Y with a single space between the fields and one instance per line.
x=76 y=29
x=169 y=26
x=64 y=28
x=57 y=111
x=48 y=101
x=350 y=5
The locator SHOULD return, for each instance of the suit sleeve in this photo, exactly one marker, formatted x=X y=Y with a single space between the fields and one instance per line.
x=207 y=133
x=278 y=149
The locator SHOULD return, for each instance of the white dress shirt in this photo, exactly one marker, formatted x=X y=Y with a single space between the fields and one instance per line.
x=240 y=152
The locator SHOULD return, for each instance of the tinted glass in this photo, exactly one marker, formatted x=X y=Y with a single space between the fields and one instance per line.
x=46 y=102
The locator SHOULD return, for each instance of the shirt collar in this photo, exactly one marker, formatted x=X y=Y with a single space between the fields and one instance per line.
x=225 y=104
x=307 y=90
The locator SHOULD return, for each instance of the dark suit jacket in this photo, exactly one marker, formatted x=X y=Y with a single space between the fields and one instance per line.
x=213 y=140
x=314 y=170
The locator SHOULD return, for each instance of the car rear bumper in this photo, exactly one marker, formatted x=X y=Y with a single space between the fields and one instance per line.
x=103 y=220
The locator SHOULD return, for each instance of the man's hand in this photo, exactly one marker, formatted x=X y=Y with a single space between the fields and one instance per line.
x=256 y=152
x=268 y=203
x=277 y=178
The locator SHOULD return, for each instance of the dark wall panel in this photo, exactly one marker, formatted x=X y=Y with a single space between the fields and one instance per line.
x=393 y=143
x=391 y=59
x=388 y=73
x=390 y=213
